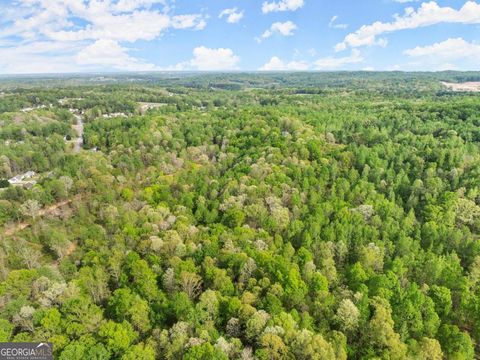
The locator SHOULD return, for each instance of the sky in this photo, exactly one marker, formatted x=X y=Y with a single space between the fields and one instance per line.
x=64 y=36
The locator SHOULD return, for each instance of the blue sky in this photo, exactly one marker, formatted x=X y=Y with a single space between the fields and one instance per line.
x=50 y=36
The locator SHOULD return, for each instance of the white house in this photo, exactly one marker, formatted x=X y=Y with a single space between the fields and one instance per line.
x=19 y=179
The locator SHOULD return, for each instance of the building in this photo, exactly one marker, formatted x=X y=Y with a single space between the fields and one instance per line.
x=21 y=178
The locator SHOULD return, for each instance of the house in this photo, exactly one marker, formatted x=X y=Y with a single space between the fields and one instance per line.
x=21 y=178
x=28 y=174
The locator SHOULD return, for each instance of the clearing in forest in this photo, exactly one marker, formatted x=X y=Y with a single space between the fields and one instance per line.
x=466 y=86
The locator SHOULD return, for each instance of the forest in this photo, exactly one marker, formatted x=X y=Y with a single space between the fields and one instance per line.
x=314 y=216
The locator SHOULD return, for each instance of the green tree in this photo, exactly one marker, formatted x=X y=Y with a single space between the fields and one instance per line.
x=206 y=351
x=118 y=337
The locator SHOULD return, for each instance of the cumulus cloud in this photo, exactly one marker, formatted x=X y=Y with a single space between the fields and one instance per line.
x=286 y=28
x=190 y=21
x=332 y=63
x=141 y=25
x=276 y=64
x=88 y=25
x=233 y=15
x=108 y=53
x=325 y=63
x=450 y=49
x=207 y=59
x=451 y=54
x=37 y=58
x=126 y=20
x=429 y=13
x=282 y=5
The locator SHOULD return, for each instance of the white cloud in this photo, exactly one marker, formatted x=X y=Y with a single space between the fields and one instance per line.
x=326 y=63
x=206 y=59
x=451 y=54
x=108 y=53
x=451 y=49
x=282 y=5
x=334 y=25
x=38 y=58
x=142 y=25
x=286 y=28
x=233 y=15
x=191 y=21
x=276 y=64
x=88 y=26
x=331 y=63
x=429 y=13
x=126 y=20
x=427 y=66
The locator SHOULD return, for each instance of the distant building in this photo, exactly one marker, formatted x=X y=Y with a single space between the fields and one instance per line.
x=118 y=114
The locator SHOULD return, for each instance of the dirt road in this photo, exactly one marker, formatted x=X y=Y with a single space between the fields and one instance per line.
x=78 y=141
x=45 y=211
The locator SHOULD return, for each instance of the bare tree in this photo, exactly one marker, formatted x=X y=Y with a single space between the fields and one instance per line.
x=30 y=257
x=67 y=182
x=191 y=283
x=30 y=208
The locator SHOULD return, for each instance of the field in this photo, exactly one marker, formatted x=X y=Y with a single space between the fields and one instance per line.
x=242 y=216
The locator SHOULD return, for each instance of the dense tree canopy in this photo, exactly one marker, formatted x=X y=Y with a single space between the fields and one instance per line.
x=286 y=216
